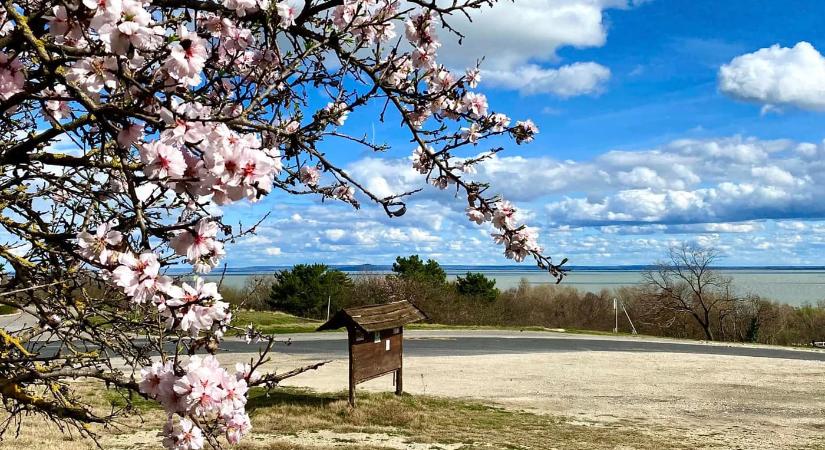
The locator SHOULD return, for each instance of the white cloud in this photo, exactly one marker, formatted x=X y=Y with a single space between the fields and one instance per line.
x=777 y=76
x=687 y=181
x=335 y=234
x=273 y=251
x=566 y=81
x=756 y=181
x=521 y=38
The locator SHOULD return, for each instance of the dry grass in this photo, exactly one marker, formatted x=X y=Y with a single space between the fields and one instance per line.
x=432 y=419
x=292 y=419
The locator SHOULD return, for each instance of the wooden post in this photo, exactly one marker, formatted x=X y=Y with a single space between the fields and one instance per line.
x=399 y=377
x=351 y=334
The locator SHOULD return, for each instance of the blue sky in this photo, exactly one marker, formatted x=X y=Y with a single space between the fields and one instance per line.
x=661 y=122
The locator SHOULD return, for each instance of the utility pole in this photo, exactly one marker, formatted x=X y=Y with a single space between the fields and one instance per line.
x=329 y=302
x=616 y=314
x=632 y=327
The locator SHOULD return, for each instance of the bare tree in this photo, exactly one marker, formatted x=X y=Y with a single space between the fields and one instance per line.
x=686 y=284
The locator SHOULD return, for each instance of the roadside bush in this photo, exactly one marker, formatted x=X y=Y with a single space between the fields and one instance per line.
x=478 y=286
x=413 y=268
x=254 y=294
x=305 y=289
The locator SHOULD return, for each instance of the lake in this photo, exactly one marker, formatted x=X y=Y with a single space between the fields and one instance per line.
x=793 y=286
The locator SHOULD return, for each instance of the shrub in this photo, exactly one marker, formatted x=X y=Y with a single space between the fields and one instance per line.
x=413 y=268
x=305 y=289
x=478 y=286
x=254 y=294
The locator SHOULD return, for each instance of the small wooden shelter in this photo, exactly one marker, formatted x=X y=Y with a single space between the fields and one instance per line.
x=375 y=340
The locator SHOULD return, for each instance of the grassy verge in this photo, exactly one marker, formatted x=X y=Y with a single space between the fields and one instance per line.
x=273 y=322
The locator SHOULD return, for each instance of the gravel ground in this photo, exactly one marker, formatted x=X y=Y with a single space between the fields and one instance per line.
x=709 y=401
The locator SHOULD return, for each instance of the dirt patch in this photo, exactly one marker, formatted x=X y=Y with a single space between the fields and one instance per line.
x=708 y=401
x=330 y=439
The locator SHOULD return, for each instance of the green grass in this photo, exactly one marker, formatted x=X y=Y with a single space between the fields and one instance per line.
x=120 y=400
x=6 y=309
x=274 y=322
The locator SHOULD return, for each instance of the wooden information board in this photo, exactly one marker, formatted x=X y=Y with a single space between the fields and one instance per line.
x=376 y=340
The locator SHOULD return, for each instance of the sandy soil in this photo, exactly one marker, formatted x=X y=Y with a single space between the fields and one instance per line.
x=708 y=401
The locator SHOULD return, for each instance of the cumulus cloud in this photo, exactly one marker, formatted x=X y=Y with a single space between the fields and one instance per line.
x=687 y=181
x=566 y=81
x=741 y=179
x=777 y=76
x=742 y=194
x=519 y=39
x=679 y=165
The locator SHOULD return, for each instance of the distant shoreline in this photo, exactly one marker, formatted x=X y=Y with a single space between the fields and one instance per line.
x=794 y=285
x=369 y=268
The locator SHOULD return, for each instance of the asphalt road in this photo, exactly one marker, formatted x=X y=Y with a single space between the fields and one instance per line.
x=470 y=343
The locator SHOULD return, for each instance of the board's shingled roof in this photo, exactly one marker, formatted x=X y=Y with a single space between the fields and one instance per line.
x=375 y=317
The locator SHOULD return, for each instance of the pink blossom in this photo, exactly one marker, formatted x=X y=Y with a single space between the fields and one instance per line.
x=111 y=8
x=473 y=77
x=342 y=16
x=424 y=56
x=519 y=243
x=184 y=435
x=337 y=112
x=189 y=295
x=344 y=192
x=209 y=261
x=137 y=275
x=237 y=426
x=58 y=23
x=286 y=13
x=443 y=80
x=56 y=108
x=155 y=379
x=524 y=131
x=131 y=26
x=162 y=161
x=478 y=216
x=5 y=24
x=12 y=79
x=241 y=7
x=504 y=216
x=474 y=104
x=130 y=134
x=256 y=172
x=93 y=74
x=234 y=395
x=422 y=161
x=310 y=176
x=97 y=246
x=198 y=307
x=186 y=58
x=471 y=133
x=197 y=242
x=245 y=372
x=500 y=122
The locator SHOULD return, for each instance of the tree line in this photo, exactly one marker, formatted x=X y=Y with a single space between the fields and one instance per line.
x=681 y=296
